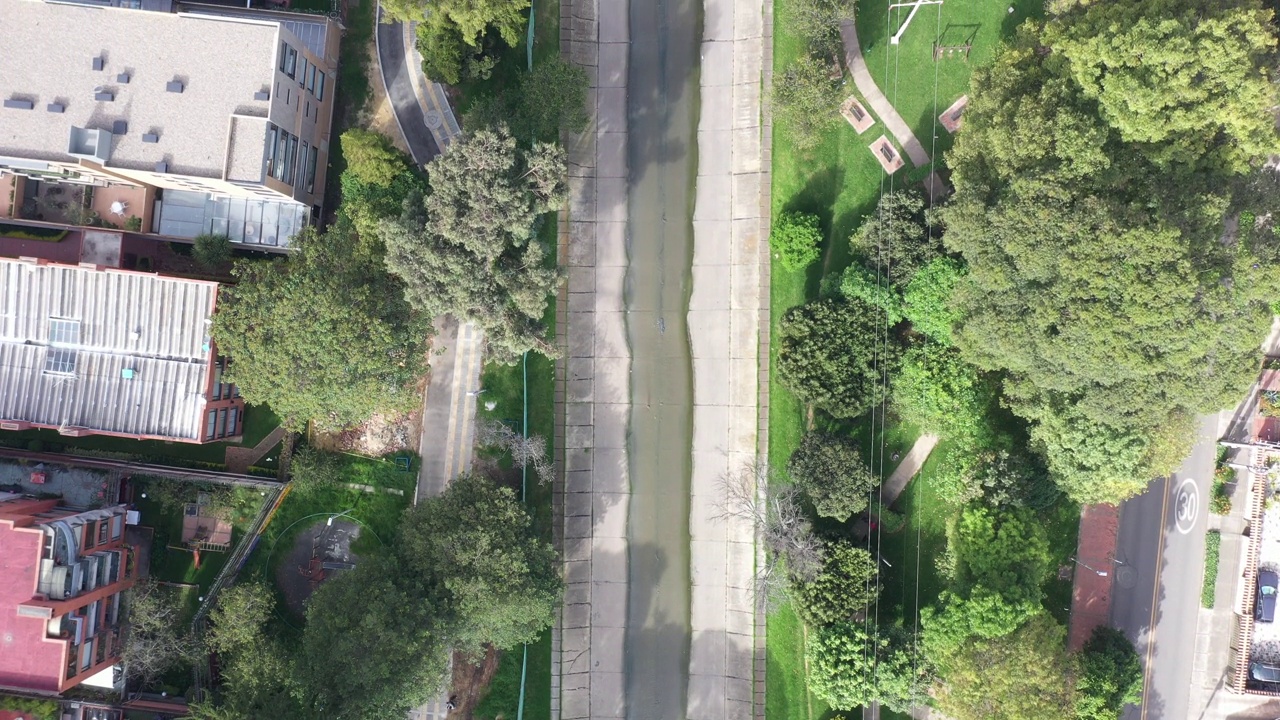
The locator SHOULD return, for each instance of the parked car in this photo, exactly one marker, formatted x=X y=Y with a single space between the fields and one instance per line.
x=1263 y=672
x=1268 y=586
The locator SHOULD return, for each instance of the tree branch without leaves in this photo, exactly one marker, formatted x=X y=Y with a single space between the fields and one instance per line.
x=530 y=451
x=792 y=552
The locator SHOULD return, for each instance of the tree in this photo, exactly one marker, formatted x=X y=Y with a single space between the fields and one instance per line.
x=239 y=617
x=795 y=238
x=846 y=585
x=1024 y=675
x=444 y=51
x=370 y=157
x=955 y=621
x=859 y=282
x=849 y=668
x=551 y=99
x=895 y=240
x=1188 y=78
x=830 y=471
x=322 y=335
x=371 y=647
x=156 y=642
x=525 y=450
x=469 y=250
x=927 y=299
x=792 y=553
x=833 y=353
x=472 y=18
x=807 y=101
x=257 y=674
x=1006 y=553
x=1108 y=676
x=489 y=575
x=211 y=250
x=937 y=390
x=818 y=22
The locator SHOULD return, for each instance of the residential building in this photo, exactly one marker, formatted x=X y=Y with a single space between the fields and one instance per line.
x=89 y=349
x=61 y=610
x=218 y=118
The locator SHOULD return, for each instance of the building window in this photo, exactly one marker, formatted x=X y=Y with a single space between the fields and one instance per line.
x=293 y=159
x=88 y=536
x=312 y=157
x=64 y=338
x=64 y=332
x=233 y=418
x=302 y=76
x=311 y=79
x=222 y=423
x=288 y=60
x=217 y=380
x=60 y=361
x=281 y=155
x=210 y=423
x=320 y=85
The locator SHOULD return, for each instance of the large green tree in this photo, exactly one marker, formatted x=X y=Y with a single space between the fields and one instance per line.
x=849 y=668
x=1005 y=552
x=1101 y=282
x=474 y=550
x=836 y=353
x=1189 y=79
x=847 y=584
x=472 y=18
x=1108 y=676
x=940 y=392
x=830 y=470
x=376 y=181
x=468 y=249
x=1023 y=675
x=896 y=240
x=323 y=334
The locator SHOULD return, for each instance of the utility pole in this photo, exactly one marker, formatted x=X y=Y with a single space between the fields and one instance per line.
x=915 y=5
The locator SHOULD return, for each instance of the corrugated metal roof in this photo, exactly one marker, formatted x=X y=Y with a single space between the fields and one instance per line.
x=155 y=326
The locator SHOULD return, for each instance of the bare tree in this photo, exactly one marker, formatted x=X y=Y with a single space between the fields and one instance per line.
x=792 y=552
x=156 y=639
x=531 y=450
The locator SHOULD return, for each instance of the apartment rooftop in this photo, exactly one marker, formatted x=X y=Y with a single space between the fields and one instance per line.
x=109 y=350
x=149 y=87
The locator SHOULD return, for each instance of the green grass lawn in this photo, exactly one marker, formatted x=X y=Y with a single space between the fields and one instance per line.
x=258 y=422
x=907 y=73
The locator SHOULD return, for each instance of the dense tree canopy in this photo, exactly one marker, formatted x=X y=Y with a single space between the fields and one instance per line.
x=1099 y=277
x=927 y=300
x=949 y=627
x=845 y=586
x=1004 y=552
x=1108 y=676
x=1188 y=78
x=471 y=18
x=834 y=353
x=895 y=240
x=1020 y=676
x=941 y=393
x=376 y=181
x=849 y=668
x=830 y=471
x=323 y=334
x=468 y=249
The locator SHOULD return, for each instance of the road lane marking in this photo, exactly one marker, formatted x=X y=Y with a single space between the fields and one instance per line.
x=1155 y=597
x=1188 y=506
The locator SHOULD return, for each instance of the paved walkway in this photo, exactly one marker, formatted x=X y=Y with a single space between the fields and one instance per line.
x=240 y=459
x=397 y=78
x=1093 y=575
x=432 y=97
x=727 y=309
x=908 y=468
x=876 y=99
x=593 y=377
x=448 y=428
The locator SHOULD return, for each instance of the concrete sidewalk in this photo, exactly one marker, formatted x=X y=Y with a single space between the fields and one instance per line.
x=908 y=468
x=876 y=99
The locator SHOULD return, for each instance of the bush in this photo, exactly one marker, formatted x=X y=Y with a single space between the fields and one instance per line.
x=795 y=238
x=1109 y=676
x=36 y=709
x=1220 y=502
x=807 y=101
x=891 y=521
x=133 y=223
x=22 y=232
x=1212 y=553
x=211 y=251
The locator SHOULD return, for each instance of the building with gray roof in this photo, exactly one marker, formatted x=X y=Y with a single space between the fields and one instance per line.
x=223 y=115
x=87 y=349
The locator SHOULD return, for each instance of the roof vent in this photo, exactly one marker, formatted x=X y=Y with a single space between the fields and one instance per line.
x=104 y=96
x=174 y=86
x=98 y=63
x=262 y=95
x=162 y=167
x=150 y=138
x=19 y=104
x=119 y=127
x=55 y=107
x=90 y=143
x=126 y=373
x=123 y=78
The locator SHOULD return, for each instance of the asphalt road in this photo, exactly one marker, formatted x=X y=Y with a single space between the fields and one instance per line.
x=1158 y=572
x=661 y=120
x=395 y=73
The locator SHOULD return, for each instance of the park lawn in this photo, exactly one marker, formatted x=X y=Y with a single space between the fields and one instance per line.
x=912 y=580
x=906 y=73
x=377 y=512
x=259 y=421
x=787 y=694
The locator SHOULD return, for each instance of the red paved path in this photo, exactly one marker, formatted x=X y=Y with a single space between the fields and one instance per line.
x=1091 y=593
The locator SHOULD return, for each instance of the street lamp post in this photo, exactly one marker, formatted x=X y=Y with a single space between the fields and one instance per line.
x=1099 y=573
